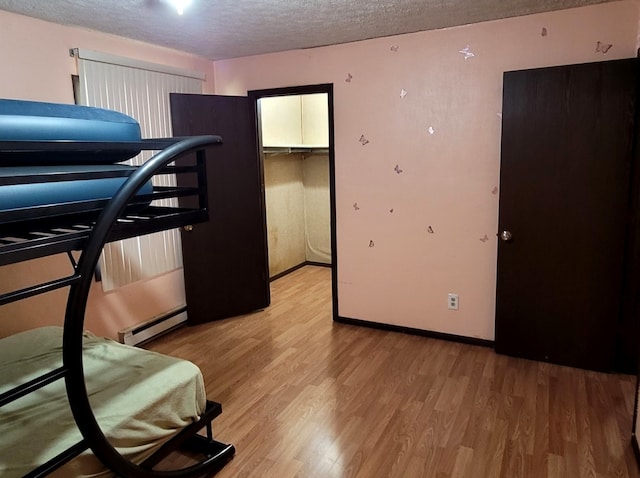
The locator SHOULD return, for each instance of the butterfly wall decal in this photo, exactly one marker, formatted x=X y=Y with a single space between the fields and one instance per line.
x=466 y=52
x=603 y=47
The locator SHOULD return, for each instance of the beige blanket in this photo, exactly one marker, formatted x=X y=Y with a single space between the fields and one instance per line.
x=139 y=398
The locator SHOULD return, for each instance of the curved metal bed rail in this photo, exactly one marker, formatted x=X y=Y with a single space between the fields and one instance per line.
x=75 y=314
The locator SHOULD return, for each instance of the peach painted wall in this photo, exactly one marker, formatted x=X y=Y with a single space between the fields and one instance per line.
x=35 y=65
x=417 y=141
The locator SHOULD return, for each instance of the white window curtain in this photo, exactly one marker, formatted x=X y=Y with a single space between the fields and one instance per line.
x=140 y=90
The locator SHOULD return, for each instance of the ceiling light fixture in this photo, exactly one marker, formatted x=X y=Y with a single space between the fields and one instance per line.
x=180 y=5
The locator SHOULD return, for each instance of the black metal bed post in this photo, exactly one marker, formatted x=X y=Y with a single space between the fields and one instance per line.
x=75 y=312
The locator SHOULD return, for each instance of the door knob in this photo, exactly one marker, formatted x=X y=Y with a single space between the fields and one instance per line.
x=506 y=236
x=188 y=228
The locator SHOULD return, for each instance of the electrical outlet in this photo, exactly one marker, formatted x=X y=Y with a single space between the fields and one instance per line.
x=453 y=301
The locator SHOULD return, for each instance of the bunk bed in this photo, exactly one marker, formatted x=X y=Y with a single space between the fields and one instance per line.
x=72 y=403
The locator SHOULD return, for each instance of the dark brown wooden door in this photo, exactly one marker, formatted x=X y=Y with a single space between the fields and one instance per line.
x=225 y=259
x=567 y=144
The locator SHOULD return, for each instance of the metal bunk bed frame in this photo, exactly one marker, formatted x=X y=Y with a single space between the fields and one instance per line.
x=86 y=227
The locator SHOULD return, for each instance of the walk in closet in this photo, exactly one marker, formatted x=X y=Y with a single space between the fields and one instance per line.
x=295 y=140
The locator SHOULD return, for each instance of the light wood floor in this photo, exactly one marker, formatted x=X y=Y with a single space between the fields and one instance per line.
x=305 y=397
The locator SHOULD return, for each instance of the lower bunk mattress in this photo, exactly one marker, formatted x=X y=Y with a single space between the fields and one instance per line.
x=140 y=399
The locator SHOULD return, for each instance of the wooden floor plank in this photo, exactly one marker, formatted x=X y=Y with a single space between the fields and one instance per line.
x=305 y=397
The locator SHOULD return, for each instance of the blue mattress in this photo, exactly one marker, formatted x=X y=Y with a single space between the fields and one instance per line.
x=19 y=196
x=36 y=121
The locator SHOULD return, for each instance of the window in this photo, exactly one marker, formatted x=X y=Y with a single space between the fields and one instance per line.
x=140 y=90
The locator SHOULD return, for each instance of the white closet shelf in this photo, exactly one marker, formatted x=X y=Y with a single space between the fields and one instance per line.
x=295 y=149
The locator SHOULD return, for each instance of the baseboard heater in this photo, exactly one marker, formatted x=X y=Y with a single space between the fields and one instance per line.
x=150 y=329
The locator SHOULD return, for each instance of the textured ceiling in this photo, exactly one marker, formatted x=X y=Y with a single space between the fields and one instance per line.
x=218 y=29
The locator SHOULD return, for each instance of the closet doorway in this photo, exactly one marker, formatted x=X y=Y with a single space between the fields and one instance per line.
x=295 y=138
